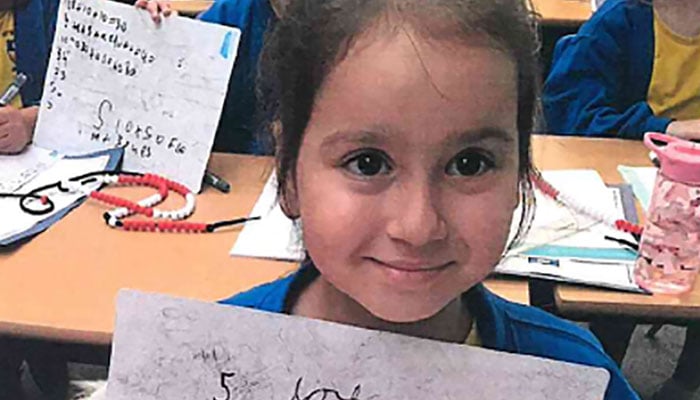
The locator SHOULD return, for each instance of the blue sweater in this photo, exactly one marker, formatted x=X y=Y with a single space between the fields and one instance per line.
x=600 y=77
x=502 y=326
x=238 y=123
x=34 y=28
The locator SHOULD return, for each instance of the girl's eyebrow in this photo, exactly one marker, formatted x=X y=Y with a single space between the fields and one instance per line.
x=362 y=137
x=483 y=134
x=378 y=135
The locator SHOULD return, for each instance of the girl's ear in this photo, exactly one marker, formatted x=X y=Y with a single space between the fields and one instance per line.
x=289 y=201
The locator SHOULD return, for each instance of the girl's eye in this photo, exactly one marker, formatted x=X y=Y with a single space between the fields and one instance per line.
x=368 y=163
x=469 y=163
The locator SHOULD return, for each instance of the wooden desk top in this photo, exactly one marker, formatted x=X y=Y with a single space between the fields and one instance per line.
x=61 y=285
x=552 y=12
x=604 y=155
x=563 y=12
x=191 y=7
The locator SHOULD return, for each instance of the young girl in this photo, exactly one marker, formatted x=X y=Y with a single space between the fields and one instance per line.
x=631 y=69
x=403 y=151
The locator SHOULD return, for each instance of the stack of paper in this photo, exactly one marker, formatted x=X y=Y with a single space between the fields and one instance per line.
x=572 y=247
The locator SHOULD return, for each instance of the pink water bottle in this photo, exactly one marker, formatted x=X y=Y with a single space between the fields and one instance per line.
x=669 y=251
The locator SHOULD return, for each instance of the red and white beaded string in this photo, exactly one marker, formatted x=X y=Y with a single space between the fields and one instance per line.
x=568 y=201
x=161 y=220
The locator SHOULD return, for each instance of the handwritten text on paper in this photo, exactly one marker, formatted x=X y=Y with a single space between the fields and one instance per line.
x=166 y=348
x=116 y=79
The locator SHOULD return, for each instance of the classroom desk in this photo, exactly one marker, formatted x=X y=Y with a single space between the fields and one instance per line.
x=191 y=7
x=563 y=12
x=61 y=285
x=552 y=12
x=604 y=155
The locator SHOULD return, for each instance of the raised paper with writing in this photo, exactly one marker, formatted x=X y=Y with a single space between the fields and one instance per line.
x=116 y=79
x=168 y=348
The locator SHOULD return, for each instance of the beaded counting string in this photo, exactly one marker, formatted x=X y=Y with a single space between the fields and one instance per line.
x=550 y=191
x=162 y=221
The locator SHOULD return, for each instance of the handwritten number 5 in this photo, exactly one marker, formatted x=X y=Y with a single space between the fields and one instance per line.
x=224 y=376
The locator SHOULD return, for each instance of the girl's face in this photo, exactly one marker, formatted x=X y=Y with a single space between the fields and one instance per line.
x=407 y=174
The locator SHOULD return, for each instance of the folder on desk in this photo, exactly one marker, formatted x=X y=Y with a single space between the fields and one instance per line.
x=17 y=226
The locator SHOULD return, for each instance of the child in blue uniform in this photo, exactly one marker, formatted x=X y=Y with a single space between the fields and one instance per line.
x=26 y=33
x=403 y=151
x=631 y=69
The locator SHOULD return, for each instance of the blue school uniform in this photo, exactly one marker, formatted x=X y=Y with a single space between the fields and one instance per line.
x=600 y=77
x=238 y=124
x=35 y=24
x=502 y=325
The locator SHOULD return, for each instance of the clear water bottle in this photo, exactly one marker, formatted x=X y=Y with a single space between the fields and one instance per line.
x=669 y=250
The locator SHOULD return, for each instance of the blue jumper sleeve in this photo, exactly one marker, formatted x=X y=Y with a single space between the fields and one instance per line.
x=589 y=90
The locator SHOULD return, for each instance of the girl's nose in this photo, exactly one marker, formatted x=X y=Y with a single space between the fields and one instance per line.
x=416 y=217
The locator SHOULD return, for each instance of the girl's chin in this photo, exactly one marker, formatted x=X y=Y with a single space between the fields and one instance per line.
x=403 y=315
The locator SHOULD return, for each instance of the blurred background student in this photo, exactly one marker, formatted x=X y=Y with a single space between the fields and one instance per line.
x=26 y=34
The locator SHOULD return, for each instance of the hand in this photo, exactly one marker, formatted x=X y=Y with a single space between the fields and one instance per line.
x=16 y=128
x=688 y=130
x=156 y=8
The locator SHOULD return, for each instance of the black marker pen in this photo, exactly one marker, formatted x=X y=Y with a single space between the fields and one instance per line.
x=216 y=182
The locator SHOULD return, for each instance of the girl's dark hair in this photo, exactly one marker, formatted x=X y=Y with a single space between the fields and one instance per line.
x=314 y=35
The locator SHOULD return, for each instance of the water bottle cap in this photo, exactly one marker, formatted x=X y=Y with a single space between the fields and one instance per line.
x=680 y=159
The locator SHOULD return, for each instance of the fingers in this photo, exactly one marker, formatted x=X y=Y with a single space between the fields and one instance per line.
x=11 y=143
x=153 y=9
x=14 y=132
x=7 y=114
x=167 y=10
x=156 y=8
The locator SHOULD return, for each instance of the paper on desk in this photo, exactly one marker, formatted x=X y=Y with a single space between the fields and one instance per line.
x=15 y=224
x=273 y=236
x=575 y=251
x=16 y=170
x=608 y=274
x=642 y=180
x=166 y=348
x=116 y=79
x=557 y=225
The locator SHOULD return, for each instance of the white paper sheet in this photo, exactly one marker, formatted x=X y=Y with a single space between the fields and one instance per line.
x=167 y=348
x=273 y=236
x=116 y=79
x=14 y=221
x=556 y=224
x=17 y=170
